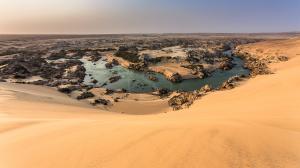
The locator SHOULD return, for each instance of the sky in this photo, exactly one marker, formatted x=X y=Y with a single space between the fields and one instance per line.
x=148 y=16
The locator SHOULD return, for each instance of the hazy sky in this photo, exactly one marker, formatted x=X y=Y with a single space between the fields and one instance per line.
x=148 y=16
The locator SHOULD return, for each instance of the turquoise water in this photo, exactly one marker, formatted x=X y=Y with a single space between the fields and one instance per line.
x=138 y=82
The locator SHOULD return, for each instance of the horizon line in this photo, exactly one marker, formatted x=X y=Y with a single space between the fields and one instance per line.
x=163 y=33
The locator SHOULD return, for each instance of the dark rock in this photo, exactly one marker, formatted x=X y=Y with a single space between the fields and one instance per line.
x=225 y=65
x=115 y=62
x=184 y=99
x=39 y=82
x=116 y=99
x=104 y=84
x=231 y=82
x=114 y=79
x=95 y=56
x=257 y=66
x=57 y=55
x=153 y=78
x=85 y=95
x=101 y=101
x=162 y=92
x=109 y=65
x=176 y=78
x=129 y=53
x=94 y=81
x=67 y=88
x=109 y=91
x=20 y=76
x=138 y=66
x=79 y=71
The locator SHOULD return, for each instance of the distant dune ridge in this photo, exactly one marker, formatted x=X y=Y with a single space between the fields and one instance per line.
x=254 y=125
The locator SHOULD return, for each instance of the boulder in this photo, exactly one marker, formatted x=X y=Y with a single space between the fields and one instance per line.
x=85 y=95
x=153 y=78
x=124 y=90
x=94 y=81
x=225 y=65
x=114 y=79
x=101 y=102
x=109 y=91
x=231 y=82
x=109 y=65
x=206 y=89
x=95 y=56
x=176 y=78
x=116 y=99
x=184 y=99
x=67 y=88
x=138 y=66
x=162 y=92
x=115 y=62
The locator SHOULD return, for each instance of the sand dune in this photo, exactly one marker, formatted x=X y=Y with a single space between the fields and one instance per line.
x=254 y=125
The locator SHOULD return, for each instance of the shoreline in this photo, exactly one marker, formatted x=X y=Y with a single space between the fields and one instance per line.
x=155 y=103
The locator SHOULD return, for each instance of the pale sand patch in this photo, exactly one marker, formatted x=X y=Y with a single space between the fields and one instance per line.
x=254 y=125
x=168 y=69
x=174 y=52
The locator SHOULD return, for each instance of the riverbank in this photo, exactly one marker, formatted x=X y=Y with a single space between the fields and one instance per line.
x=253 y=125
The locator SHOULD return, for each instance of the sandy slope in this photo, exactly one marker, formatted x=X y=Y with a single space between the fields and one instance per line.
x=254 y=125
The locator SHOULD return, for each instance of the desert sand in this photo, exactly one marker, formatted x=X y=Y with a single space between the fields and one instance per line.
x=254 y=125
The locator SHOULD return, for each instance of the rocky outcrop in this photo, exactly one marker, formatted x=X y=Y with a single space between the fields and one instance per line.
x=226 y=65
x=186 y=99
x=129 y=53
x=57 y=55
x=39 y=82
x=198 y=69
x=153 y=78
x=75 y=72
x=115 y=62
x=205 y=89
x=109 y=91
x=138 y=66
x=95 y=56
x=255 y=65
x=176 y=78
x=231 y=82
x=85 y=95
x=24 y=66
x=101 y=102
x=111 y=64
x=163 y=92
x=67 y=88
